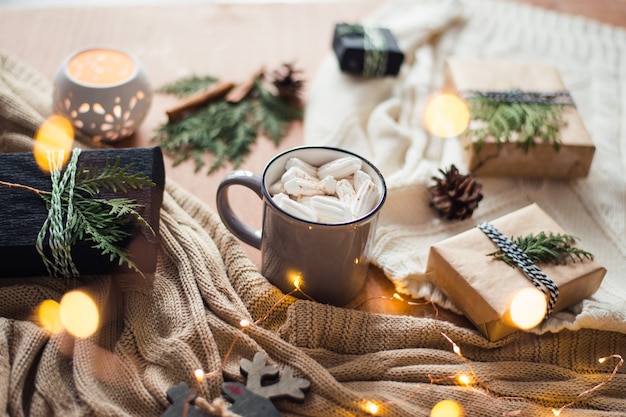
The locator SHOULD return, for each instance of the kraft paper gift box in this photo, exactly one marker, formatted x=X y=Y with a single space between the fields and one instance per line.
x=483 y=287
x=367 y=51
x=23 y=213
x=572 y=160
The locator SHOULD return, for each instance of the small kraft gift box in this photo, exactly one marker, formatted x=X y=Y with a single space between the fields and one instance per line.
x=367 y=51
x=524 y=123
x=483 y=287
x=81 y=218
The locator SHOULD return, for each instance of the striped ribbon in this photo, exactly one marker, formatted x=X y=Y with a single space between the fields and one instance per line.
x=563 y=98
x=536 y=275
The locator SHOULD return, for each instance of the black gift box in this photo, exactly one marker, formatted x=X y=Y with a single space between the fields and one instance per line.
x=367 y=51
x=22 y=213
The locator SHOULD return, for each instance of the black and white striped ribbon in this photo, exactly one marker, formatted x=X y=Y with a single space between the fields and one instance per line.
x=520 y=96
x=536 y=275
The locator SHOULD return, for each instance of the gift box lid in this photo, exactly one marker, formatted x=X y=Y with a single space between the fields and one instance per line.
x=483 y=287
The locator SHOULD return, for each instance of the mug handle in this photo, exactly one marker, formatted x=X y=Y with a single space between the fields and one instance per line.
x=233 y=223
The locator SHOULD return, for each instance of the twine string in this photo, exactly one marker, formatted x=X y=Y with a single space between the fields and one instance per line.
x=58 y=230
x=375 y=54
x=536 y=275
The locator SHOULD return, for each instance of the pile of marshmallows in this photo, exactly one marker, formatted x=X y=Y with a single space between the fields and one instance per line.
x=335 y=192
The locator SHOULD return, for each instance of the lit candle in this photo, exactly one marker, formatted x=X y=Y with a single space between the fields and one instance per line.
x=104 y=92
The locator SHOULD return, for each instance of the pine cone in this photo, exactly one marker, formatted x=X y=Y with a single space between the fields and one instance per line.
x=455 y=196
x=287 y=85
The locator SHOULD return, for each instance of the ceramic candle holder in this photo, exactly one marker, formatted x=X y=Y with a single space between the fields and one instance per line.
x=103 y=91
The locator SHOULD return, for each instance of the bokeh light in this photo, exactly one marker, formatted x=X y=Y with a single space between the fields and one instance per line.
x=528 y=308
x=55 y=134
x=447 y=408
x=446 y=115
x=48 y=316
x=371 y=407
x=79 y=314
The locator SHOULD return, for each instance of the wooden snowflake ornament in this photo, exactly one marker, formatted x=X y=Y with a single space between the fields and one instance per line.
x=251 y=400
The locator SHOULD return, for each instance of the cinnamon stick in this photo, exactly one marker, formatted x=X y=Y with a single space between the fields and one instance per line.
x=241 y=91
x=213 y=92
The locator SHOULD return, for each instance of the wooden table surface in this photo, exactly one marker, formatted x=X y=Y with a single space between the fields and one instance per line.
x=229 y=41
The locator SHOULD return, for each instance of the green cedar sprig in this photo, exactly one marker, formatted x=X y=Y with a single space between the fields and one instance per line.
x=185 y=87
x=103 y=221
x=223 y=129
x=528 y=121
x=553 y=248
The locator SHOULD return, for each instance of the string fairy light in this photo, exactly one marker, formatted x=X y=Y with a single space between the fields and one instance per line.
x=558 y=411
x=472 y=379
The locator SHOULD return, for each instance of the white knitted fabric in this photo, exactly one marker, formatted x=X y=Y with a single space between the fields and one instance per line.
x=381 y=120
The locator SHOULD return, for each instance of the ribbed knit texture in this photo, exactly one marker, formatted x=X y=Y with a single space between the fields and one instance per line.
x=382 y=121
x=156 y=331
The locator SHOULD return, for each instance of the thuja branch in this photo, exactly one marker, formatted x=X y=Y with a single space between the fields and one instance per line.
x=23 y=187
x=226 y=128
x=523 y=122
x=553 y=248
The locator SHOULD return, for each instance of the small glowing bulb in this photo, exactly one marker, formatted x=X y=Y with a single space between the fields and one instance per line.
x=297 y=282
x=456 y=349
x=446 y=115
x=464 y=379
x=601 y=360
x=79 y=314
x=528 y=308
x=199 y=375
x=244 y=323
x=397 y=296
x=556 y=412
x=371 y=408
x=447 y=408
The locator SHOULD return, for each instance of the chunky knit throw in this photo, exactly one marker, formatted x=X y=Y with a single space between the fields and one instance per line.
x=156 y=331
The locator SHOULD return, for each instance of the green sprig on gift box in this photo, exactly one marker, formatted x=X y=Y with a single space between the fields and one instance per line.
x=77 y=212
x=553 y=248
x=516 y=115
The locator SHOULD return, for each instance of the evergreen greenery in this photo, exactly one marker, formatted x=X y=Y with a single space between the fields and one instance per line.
x=544 y=247
x=225 y=130
x=187 y=86
x=524 y=122
x=100 y=220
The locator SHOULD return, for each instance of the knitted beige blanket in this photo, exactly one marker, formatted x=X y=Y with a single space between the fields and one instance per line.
x=156 y=331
